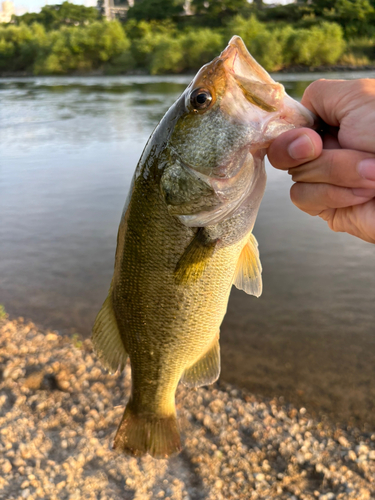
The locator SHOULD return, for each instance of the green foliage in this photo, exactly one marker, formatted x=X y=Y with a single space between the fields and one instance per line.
x=167 y=56
x=3 y=313
x=65 y=14
x=76 y=341
x=146 y=37
x=353 y=10
x=83 y=48
x=319 y=45
x=70 y=38
x=215 y=8
x=360 y=51
x=247 y=29
x=19 y=46
x=200 y=46
x=162 y=49
x=267 y=46
x=155 y=9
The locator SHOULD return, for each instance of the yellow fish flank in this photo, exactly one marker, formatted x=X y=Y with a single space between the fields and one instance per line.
x=186 y=237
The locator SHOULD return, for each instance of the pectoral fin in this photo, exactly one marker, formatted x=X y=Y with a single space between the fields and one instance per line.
x=206 y=370
x=194 y=260
x=106 y=338
x=248 y=274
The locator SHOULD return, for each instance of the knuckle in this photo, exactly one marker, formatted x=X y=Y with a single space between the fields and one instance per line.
x=295 y=195
x=330 y=166
x=315 y=87
x=330 y=195
x=365 y=86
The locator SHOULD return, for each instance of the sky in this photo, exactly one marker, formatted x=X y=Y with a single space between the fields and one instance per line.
x=22 y=6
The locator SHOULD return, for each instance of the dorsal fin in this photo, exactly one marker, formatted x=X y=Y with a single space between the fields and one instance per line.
x=248 y=274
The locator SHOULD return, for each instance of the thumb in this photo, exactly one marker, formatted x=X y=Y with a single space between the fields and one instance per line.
x=294 y=147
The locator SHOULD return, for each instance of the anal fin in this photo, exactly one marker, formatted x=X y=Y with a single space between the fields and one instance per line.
x=194 y=260
x=106 y=338
x=206 y=370
x=248 y=274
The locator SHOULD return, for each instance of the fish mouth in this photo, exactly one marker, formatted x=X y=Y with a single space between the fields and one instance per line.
x=259 y=88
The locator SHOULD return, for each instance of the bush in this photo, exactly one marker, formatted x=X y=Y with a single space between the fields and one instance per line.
x=201 y=46
x=361 y=48
x=19 y=46
x=269 y=48
x=82 y=48
x=316 y=46
x=247 y=29
x=167 y=56
x=145 y=37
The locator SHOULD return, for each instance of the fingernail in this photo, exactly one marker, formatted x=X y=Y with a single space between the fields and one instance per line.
x=302 y=148
x=366 y=169
x=365 y=193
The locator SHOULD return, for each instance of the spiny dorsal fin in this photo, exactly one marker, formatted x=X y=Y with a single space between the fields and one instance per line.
x=248 y=274
x=206 y=370
x=106 y=338
x=194 y=260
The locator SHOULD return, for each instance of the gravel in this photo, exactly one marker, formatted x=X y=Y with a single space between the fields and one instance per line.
x=59 y=410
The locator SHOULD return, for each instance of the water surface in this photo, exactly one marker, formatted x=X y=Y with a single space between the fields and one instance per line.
x=68 y=148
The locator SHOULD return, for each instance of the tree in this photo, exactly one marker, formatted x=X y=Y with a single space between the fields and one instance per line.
x=65 y=14
x=219 y=8
x=354 y=10
x=149 y=10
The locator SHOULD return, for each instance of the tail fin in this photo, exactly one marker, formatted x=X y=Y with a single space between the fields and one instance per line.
x=139 y=434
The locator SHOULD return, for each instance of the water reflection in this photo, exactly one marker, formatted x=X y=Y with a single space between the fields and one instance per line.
x=68 y=148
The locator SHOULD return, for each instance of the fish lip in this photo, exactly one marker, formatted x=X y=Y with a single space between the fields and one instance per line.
x=234 y=48
x=248 y=66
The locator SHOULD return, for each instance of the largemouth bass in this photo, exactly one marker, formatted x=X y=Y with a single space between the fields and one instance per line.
x=186 y=237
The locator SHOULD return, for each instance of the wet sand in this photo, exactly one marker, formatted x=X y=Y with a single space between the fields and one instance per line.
x=329 y=372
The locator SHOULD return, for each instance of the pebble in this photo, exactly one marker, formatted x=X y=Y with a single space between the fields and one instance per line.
x=57 y=425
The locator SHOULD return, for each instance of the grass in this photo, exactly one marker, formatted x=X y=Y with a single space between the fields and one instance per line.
x=3 y=313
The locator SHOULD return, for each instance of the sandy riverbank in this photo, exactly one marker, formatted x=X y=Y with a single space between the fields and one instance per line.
x=59 y=410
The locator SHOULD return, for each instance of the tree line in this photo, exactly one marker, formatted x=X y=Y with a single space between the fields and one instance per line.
x=157 y=38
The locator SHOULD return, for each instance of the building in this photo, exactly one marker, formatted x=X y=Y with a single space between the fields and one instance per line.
x=7 y=11
x=116 y=9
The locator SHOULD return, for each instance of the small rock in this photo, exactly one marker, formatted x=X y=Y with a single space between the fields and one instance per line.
x=344 y=442
x=6 y=467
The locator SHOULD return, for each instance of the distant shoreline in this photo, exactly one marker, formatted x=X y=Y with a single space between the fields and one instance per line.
x=290 y=69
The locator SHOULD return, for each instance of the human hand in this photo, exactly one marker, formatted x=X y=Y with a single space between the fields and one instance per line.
x=334 y=178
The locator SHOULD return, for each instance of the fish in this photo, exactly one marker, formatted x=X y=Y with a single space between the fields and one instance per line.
x=185 y=238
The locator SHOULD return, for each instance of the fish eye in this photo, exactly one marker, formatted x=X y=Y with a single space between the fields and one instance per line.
x=200 y=99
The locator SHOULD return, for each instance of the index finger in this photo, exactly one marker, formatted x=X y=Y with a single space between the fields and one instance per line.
x=331 y=100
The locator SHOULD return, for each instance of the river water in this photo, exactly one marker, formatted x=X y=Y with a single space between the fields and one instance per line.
x=68 y=148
